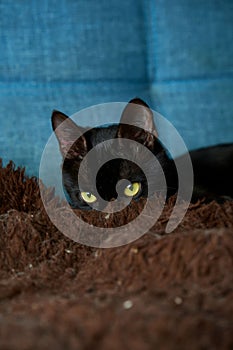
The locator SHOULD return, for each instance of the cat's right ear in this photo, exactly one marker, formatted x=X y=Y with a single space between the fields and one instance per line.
x=70 y=136
x=138 y=113
x=137 y=123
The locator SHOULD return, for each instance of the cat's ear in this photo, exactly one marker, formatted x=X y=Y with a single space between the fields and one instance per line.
x=137 y=122
x=70 y=136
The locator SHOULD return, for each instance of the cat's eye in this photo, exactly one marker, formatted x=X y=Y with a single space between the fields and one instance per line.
x=132 y=189
x=88 y=197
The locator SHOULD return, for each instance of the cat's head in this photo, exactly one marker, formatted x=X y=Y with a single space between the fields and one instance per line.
x=137 y=124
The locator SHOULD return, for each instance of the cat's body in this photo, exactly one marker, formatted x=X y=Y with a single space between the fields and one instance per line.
x=213 y=172
x=213 y=166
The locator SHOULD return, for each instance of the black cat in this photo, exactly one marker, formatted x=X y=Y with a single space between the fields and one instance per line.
x=213 y=172
x=213 y=166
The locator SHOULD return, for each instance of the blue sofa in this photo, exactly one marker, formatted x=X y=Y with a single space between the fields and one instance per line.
x=67 y=55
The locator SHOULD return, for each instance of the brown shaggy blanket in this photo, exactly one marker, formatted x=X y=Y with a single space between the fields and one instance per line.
x=163 y=291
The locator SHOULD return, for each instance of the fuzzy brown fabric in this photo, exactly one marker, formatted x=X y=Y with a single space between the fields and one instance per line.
x=160 y=292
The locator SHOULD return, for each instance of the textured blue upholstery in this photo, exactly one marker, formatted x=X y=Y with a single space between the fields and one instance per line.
x=68 y=55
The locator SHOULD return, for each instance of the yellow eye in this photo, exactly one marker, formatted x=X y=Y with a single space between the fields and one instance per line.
x=88 y=197
x=132 y=189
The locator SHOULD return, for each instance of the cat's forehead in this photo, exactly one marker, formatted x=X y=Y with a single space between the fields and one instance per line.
x=100 y=134
x=111 y=171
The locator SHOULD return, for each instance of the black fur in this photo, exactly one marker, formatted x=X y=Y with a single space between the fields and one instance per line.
x=213 y=166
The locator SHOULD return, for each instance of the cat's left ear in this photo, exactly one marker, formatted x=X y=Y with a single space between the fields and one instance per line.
x=137 y=113
x=70 y=136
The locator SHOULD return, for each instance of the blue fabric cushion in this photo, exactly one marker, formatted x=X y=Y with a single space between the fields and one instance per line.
x=190 y=39
x=67 y=55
